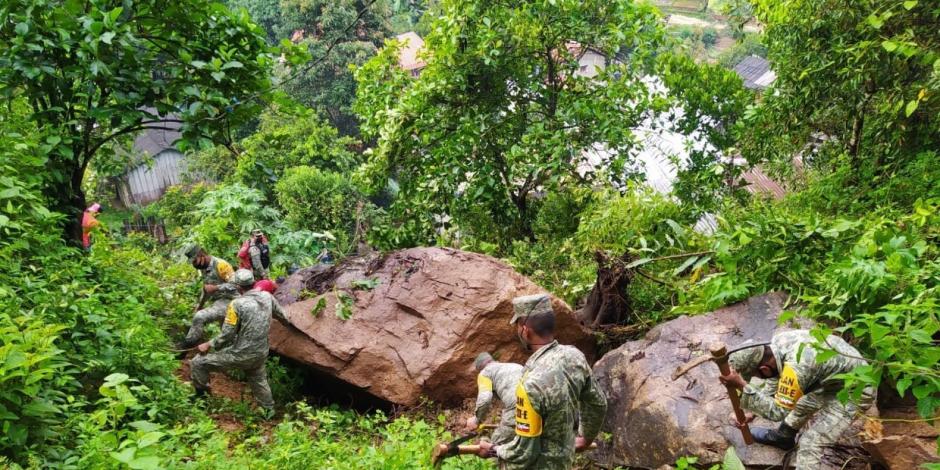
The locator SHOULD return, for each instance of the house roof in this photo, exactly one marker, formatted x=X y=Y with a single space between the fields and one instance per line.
x=412 y=45
x=150 y=142
x=755 y=72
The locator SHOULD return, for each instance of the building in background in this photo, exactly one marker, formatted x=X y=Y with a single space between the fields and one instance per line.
x=155 y=165
x=408 y=59
x=755 y=72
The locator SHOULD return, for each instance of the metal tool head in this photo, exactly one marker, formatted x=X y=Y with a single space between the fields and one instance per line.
x=443 y=451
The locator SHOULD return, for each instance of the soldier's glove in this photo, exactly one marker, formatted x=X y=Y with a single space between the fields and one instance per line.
x=781 y=438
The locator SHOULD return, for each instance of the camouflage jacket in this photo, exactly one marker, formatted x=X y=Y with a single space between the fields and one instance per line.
x=556 y=386
x=801 y=381
x=498 y=380
x=257 y=266
x=218 y=273
x=245 y=329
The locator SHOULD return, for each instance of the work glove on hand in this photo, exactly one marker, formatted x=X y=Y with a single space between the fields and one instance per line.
x=781 y=438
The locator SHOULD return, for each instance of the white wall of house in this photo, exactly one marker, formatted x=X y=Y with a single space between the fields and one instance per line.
x=146 y=183
x=591 y=63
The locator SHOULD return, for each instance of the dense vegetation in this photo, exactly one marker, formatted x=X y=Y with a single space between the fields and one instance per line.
x=491 y=149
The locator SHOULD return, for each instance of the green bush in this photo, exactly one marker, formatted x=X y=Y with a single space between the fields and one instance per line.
x=285 y=141
x=873 y=278
x=227 y=214
x=321 y=201
x=176 y=206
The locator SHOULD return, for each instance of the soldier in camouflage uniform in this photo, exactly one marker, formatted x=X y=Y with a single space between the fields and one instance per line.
x=556 y=387
x=496 y=380
x=216 y=274
x=243 y=342
x=795 y=389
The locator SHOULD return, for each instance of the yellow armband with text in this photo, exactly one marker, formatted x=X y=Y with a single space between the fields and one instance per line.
x=528 y=421
x=788 y=389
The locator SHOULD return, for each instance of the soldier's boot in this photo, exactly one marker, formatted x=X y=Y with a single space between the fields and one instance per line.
x=784 y=437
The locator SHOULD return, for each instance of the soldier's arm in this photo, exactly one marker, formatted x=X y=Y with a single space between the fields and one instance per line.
x=593 y=409
x=527 y=443
x=277 y=311
x=760 y=400
x=229 y=329
x=484 y=397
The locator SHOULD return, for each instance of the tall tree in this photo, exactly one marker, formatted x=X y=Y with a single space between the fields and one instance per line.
x=352 y=31
x=98 y=70
x=501 y=111
x=863 y=74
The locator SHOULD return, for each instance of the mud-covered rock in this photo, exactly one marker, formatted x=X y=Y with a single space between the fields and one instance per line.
x=417 y=318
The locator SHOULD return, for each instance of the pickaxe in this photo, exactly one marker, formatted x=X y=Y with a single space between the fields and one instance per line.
x=719 y=354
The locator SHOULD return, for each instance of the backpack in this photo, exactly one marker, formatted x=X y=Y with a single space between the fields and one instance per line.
x=244 y=257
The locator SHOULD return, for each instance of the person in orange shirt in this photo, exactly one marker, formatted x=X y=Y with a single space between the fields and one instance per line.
x=89 y=222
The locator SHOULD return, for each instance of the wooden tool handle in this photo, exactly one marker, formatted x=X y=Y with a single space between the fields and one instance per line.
x=720 y=355
x=474 y=448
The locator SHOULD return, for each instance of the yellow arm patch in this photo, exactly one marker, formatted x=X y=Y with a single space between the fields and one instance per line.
x=528 y=421
x=231 y=318
x=788 y=388
x=224 y=270
x=484 y=384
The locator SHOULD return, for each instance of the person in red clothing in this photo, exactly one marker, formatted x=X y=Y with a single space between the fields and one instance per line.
x=89 y=222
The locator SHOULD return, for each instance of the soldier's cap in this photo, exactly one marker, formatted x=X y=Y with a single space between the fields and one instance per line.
x=746 y=361
x=192 y=250
x=257 y=232
x=481 y=360
x=523 y=307
x=243 y=278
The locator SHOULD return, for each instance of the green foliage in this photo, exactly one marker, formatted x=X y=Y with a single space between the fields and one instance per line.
x=228 y=213
x=864 y=74
x=712 y=100
x=746 y=46
x=86 y=71
x=322 y=201
x=286 y=140
x=327 y=85
x=875 y=279
x=176 y=206
x=481 y=129
x=640 y=223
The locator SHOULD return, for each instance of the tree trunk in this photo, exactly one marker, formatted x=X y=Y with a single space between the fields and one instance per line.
x=68 y=198
x=522 y=209
x=609 y=302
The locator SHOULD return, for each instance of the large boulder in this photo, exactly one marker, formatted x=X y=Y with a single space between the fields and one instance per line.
x=653 y=419
x=418 y=319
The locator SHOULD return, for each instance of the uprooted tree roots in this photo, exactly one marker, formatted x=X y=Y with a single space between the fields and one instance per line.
x=609 y=302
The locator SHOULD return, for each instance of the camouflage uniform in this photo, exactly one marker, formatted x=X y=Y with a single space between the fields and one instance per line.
x=804 y=390
x=556 y=385
x=217 y=273
x=498 y=379
x=257 y=267
x=242 y=344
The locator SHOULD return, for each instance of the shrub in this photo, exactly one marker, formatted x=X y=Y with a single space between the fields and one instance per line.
x=321 y=201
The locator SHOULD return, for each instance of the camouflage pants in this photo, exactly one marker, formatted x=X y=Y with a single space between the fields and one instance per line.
x=506 y=430
x=212 y=313
x=255 y=373
x=828 y=424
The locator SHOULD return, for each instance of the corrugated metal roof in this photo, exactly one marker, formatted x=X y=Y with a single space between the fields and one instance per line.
x=150 y=142
x=755 y=72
